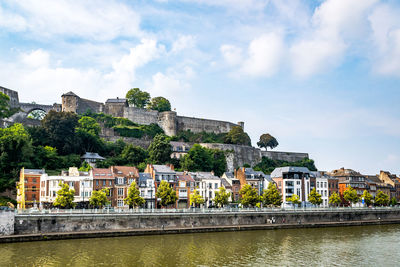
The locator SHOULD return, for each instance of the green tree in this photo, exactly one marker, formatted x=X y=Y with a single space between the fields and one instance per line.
x=65 y=197
x=160 y=104
x=350 y=195
x=198 y=158
x=85 y=167
x=134 y=154
x=88 y=125
x=196 y=199
x=160 y=149
x=60 y=128
x=46 y=157
x=134 y=199
x=15 y=153
x=294 y=199
x=201 y=158
x=166 y=194
x=267 y=140
x=99 y=198
x=221 y=197
x=5 y=109
x=249 y=196
x=272 y=196
x=381 y=199
x=137 y=97
x=367 y=198
x=314 y=197
x=393 y=201
x=237 y=136
x=334 y=199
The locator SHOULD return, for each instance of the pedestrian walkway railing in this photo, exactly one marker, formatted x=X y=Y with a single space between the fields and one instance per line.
x=198 y=210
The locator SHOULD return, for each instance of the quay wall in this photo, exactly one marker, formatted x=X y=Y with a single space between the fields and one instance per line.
x=6 y=222
x=67 y=223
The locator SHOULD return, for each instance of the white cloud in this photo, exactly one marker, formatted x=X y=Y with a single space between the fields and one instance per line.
x=233 y=4
x=385 y=23
x=124 y=70
x=335 y=24
x=183 y=42
x=232 y=54
x=172 y=83
x=36 y=59
x=264 y=55
x=98 y=20
x=35 y=74
x=313 y=56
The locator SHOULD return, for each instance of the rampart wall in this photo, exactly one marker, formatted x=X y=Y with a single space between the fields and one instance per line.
x=97 y=225
x=140 y=115
x=286 y=156
x=197 y=125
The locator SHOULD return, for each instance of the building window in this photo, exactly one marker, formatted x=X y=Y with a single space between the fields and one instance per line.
x=182 y=184
x=110 y=183
x=54 y=193
x=120 y=191
x=298 y=191
x=216 y=186
x=104 y=182
x=298 y=182
x=120 y=202
x=130 y=180
x=34 y=180
x=210 y=195
x=120 y=180
x=210 y=185
x=33 y=196
x=97 y=182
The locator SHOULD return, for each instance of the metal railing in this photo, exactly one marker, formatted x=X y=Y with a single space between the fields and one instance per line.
x=199 y=210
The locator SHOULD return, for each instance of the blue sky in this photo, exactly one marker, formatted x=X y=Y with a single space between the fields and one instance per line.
x=321 y=76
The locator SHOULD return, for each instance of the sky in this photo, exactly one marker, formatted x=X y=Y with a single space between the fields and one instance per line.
x=323 y=77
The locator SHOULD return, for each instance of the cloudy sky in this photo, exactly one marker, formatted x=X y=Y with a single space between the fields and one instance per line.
x=321 y=76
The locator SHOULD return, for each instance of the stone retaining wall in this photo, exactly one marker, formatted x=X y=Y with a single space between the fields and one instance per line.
x=6 y=222
x=47 y=223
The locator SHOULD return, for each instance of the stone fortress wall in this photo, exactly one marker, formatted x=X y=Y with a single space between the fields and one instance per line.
x=169 y=121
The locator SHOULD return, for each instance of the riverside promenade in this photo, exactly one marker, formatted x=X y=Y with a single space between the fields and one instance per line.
x=69 y=224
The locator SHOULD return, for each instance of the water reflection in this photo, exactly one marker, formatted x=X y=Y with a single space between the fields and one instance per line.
x=347 y=246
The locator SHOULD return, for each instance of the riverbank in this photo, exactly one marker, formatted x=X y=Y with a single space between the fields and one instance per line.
x=39 y=227
x=172 y=230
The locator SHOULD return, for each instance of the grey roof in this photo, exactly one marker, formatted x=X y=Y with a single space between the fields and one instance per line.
x=229 y=175
x=143 y=176
x=70 y=93
x=92 y=155
x=225 y=183
x=34 y=171
x=116 y=100
x=203 y=175
x=278 y=172
x=163 y=169
x=268 y=178
x=252 y=171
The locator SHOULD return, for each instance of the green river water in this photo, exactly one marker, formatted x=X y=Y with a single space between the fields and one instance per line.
x=338 y=246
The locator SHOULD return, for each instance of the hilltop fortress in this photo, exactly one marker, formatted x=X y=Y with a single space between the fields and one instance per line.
x=169 y=121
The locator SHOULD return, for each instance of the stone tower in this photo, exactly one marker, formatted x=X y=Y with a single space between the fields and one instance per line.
x=70 y=102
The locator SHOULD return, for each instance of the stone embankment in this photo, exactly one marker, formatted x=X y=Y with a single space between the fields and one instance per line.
x=33 y=227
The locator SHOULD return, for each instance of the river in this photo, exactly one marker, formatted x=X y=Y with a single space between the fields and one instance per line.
x=337 y=246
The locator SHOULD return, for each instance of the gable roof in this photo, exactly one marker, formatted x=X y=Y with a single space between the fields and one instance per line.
x=102 y=173
x=278 y=172
x=163 y=169
x=125 y=171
